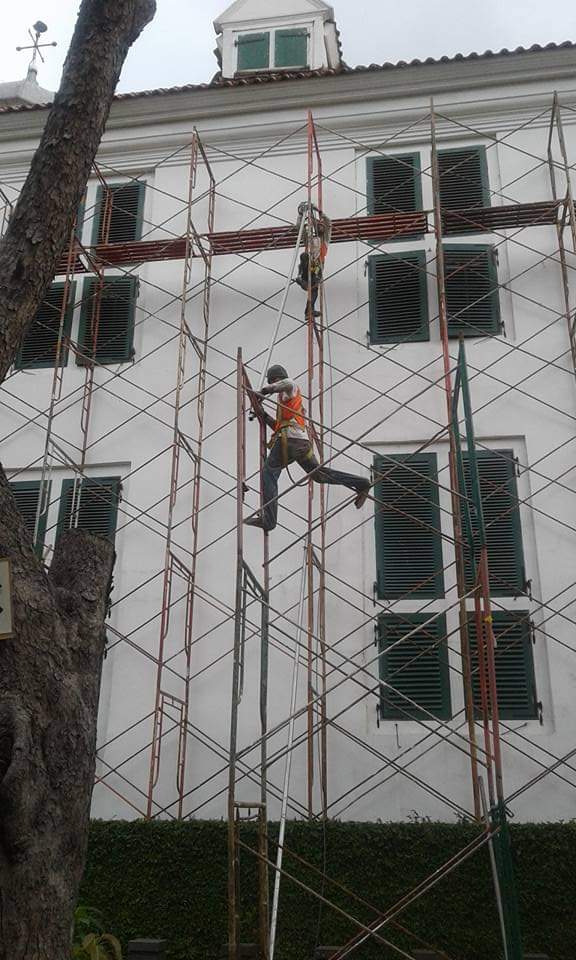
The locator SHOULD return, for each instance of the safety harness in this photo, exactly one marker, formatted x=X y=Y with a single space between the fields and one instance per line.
x=288 y=412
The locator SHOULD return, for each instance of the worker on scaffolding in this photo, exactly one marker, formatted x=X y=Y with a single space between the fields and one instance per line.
x=289 y=443
x=311 y=268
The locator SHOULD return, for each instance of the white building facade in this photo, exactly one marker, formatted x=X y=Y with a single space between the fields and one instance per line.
x=391 y=754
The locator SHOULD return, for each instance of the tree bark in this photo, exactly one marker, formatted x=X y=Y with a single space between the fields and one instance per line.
x=50 y=669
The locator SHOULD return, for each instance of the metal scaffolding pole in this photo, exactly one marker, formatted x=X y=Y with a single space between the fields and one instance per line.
x=191 y=447
x=456 y=510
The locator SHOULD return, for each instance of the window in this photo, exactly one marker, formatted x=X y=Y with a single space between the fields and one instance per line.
x=394 y=184
x=291 y=49
x=116 y=309
x=499 y=494
x=472 y=300
x=408 y=536
x=27 y=494
x=463 y=187
x=514 y=663
x=398 y=298
x=39 y=346
x=122 y=221
x=253 y=51
x=96 y=507
x=416 y=667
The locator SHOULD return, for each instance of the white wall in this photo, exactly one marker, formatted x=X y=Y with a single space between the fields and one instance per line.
x=387 y=402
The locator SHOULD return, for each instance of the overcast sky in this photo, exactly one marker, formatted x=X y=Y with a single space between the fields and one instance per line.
x=177 y=47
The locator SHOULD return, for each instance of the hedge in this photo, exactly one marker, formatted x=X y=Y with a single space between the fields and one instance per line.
x=168 y=880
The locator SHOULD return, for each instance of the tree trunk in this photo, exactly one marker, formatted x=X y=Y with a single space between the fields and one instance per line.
x=50 y=669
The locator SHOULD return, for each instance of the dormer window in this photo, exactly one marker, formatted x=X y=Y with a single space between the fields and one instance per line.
x=281 y=49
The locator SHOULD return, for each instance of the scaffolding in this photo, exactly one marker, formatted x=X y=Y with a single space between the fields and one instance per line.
x=299 y=630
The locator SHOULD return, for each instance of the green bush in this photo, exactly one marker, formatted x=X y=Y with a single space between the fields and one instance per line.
x=168 y=880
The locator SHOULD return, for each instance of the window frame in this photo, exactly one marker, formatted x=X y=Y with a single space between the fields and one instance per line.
x=139 y=220
x=419 y=258
x=497 y=323
x=411 y=620
x=506 y=455
x=272 y=33
x=436 y=589
x=480 y=151
x=85 y=322
x=294 y=31
x=504 y=617
x=370 y=192
x=68 y=483
x=39 y=543
x=20 y=364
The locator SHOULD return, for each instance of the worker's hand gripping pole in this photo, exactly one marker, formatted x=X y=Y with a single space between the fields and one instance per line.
x=282 y=307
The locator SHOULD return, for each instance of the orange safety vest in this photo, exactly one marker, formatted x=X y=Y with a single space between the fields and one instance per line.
x=290 y=411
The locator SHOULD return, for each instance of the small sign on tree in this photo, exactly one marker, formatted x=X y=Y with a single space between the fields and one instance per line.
x=6 y=626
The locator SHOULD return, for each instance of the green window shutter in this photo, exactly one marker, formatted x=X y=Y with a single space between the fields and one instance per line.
x=514 y=663
x=472 y=300
x=291 y=48
x=27 y=494
x=463 y=186
x=125 y=225
x=115 y=340
x=38 y=348
x=253 y=51
x=398 y=297
x=97 y=508
x=417 y=668
x=408 y=535
x=499 y=494
x=394 y=184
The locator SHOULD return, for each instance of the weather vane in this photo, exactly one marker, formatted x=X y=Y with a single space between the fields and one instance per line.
x=39 y=28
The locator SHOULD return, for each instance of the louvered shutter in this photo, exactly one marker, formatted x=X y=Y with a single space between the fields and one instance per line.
x=408 y=536
x=463 y=187
x=394 y=184
x=472 y=300
x=398 y=298
x=253 y=51
x=499 y=494
x=26 y=494
x=514 y=663
x=97 y=508
x=125 y=221
x=115 y=338
x=416 y=668
x=38 y=349
x=291 y=49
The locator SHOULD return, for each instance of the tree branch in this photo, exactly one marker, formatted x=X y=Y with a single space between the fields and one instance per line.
x=42 y=220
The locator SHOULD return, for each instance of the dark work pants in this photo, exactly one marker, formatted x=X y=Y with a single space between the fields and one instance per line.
x=300 y=451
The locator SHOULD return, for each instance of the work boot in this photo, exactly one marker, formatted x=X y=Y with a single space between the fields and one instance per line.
x=362 y=495
x=256 y=520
